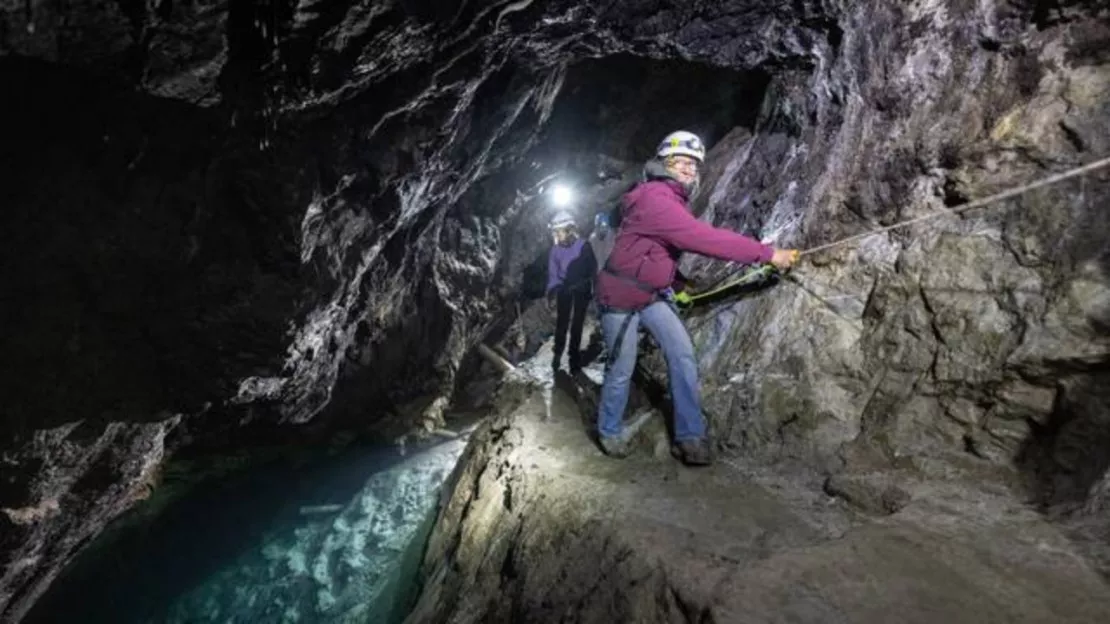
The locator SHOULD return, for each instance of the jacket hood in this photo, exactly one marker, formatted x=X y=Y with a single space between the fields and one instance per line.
x=655 y=186
x=654 y=169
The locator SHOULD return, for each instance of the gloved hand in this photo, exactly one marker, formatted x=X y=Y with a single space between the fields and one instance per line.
x=783 y=259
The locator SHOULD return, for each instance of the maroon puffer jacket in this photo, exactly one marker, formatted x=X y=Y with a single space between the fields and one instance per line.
x=656 y=227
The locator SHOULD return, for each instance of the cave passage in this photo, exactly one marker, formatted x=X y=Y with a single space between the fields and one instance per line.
x=311 y=539
x=621 y=106
x=607 y=121
x=612 y=112
x=241 y=548
x=239 y=237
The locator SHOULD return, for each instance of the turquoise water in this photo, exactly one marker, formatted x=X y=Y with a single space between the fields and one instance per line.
x=337 y=540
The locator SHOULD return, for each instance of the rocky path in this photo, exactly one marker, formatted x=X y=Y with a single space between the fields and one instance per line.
x=541 y=526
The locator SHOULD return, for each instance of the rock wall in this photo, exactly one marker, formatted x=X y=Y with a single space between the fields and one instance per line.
x=961 y=343
x=136 y=242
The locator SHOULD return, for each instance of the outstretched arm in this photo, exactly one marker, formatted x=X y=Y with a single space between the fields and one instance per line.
x=680 y=229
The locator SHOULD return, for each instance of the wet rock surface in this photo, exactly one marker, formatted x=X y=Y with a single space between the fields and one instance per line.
x=541 y=526
x=230 y=220
x=964 y=347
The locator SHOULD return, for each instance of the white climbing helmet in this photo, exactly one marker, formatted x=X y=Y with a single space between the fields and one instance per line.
x=561 y=219
x=682 y=143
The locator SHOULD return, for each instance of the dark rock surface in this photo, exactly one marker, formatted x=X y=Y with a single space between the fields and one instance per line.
x=225 y=217
x=959 y=346
x=149 y=266
x=542 y=527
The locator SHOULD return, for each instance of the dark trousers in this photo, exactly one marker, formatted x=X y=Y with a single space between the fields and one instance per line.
x=570 y=309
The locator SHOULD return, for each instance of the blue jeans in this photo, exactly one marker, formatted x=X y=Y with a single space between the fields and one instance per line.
x=682 y=370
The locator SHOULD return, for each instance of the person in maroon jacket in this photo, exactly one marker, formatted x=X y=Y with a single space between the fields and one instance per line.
x=656 y=227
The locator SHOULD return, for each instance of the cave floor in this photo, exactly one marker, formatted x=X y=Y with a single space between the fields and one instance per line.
x=751 y=545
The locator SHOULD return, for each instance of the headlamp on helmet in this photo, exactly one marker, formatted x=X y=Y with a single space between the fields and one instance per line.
x=681 y=143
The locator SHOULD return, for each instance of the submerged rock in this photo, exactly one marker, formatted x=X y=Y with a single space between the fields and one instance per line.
x=242 y=548
x=357 y=562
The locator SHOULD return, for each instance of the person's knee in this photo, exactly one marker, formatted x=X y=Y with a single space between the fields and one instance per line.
x=677 y=350
x=624 y=364
x=620 y=371
x=617 y=381
x=682 y=358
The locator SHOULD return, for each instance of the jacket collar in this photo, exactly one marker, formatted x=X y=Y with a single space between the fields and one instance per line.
x=654 y=171
x=678 y=188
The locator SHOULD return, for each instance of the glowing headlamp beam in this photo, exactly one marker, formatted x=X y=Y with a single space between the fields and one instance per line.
x=561 y=195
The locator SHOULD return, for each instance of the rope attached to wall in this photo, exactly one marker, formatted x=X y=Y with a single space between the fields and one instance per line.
x=979 y=203
x=762 y=273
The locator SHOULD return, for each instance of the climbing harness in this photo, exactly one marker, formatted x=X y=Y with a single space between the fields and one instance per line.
x=611 y=357
x=666 y=295
x=628 y=314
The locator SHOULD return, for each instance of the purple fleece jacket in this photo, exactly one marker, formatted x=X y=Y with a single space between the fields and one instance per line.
x=559 y=260
x=656 y=227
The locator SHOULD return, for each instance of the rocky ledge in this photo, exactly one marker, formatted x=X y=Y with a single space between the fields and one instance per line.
x=540 y=526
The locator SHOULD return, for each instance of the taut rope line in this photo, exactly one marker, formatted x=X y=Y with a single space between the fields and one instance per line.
x=979 y=203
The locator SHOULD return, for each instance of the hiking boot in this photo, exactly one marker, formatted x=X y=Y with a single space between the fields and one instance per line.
x=693 y=452
x=615 y=446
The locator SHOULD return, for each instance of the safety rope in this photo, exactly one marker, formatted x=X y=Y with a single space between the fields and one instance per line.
x=765 y=271
x=751 y=275
x=979 y=203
